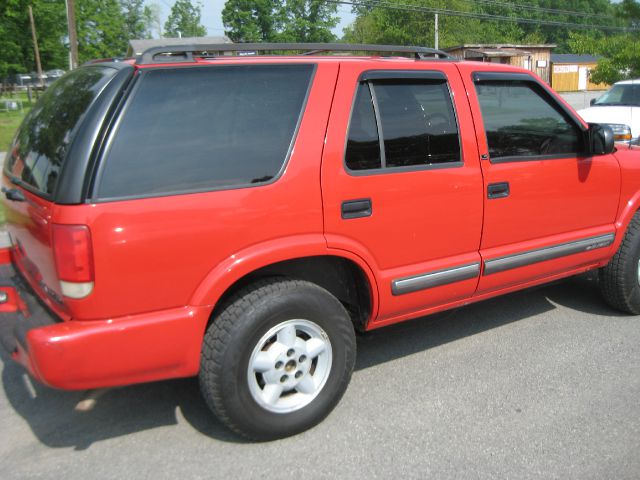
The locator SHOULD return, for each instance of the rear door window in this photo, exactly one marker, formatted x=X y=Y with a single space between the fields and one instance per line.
x=204 y=128
x=402 y=123
x=40 y=146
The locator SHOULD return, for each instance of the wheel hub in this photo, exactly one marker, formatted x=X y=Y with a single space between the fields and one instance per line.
x=289 y=366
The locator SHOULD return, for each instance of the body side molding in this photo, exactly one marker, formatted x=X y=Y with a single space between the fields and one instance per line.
x=509 y=262
x=423 y=281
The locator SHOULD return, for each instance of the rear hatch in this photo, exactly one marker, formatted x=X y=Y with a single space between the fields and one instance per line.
x=32 y=171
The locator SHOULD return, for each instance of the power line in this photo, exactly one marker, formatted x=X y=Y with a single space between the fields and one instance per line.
x=554 y=11
x=481 y=16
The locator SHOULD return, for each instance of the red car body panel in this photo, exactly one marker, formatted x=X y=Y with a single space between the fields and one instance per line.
x=78 y=355
x=410 y=209
x=162 y=264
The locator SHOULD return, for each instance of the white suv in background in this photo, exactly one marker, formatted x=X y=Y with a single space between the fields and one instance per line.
x=619 y=108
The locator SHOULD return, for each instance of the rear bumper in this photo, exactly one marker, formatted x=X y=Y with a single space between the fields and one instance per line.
x=77 y=355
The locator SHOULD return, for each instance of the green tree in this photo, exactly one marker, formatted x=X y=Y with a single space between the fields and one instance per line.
x=620 y=59
x=135 y=24
x=16 y=47
x=250 y=20
x=307 y=21
x=101 y=27
x=406 y=27
x=280 y=20
x=402 y=26
x=184 y=20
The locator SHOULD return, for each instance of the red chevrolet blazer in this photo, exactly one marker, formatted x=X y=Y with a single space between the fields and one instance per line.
x=240 y=217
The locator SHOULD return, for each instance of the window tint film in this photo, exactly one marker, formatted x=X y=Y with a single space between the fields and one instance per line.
x=203 y=128
x=363 y=145
x=418 y=123
x=41 y=144
x=520 y=121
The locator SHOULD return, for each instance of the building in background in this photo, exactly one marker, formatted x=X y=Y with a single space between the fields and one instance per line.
x=572 y=73
x=535 y=58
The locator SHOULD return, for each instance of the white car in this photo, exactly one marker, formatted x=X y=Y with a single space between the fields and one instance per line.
x=619 y=108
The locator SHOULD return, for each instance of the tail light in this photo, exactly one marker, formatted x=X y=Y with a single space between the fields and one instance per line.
x=74 y=259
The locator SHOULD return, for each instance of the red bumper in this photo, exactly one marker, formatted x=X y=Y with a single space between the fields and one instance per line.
x=99 y=353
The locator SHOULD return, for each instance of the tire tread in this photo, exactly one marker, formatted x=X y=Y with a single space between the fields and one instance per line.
x=218 y=336
x=613 y=278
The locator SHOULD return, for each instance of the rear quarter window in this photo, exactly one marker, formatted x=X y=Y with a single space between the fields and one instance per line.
x=196 y=129
x=41 y=144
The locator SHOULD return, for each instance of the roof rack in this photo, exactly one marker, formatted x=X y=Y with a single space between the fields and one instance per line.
x=185 y=53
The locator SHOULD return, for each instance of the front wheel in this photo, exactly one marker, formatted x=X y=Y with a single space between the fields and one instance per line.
x=620 y=279
x=277 y=359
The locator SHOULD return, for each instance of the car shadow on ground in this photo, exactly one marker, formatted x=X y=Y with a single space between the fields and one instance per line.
x=51 y=416
x=578 y=293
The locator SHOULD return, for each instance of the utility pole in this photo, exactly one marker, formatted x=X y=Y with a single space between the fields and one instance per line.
x=436 y=31
x=73 y=37
x=35 y=46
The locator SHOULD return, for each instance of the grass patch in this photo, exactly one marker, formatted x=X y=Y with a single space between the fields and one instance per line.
x=10 y=121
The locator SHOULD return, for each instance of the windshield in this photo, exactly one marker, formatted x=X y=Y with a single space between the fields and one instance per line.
x=627 y=95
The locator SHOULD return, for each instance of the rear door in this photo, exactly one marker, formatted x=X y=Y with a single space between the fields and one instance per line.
x=549 y=207
x=401 y=183
x=33 y=168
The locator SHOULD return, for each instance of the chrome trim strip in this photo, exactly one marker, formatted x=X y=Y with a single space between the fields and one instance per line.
x=423 y=281
x=508 y=262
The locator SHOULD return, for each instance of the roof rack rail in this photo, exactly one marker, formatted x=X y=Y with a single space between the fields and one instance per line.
x=186 y=52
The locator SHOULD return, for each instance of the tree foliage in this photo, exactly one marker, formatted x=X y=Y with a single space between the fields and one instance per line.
x=280 y=20
x=307 y=21
x=184 y=20
x=619 y=51
x=101 y=29
x=620 y=58
x=16 y=46
x=250 y=20
x=135 y=21
x=104 y=28
x=380 y=23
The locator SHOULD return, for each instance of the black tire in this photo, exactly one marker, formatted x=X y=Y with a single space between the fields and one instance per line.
x=618 y=280
x=232 y=339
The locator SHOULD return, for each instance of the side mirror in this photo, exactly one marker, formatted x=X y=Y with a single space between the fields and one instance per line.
x=592 y=101
x=601 y=139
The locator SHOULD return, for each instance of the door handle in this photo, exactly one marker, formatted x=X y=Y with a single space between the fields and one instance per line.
x=498 y=190
x=13 y=194
x=356 y=208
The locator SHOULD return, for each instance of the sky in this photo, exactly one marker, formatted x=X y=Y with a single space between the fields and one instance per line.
x=212 y=15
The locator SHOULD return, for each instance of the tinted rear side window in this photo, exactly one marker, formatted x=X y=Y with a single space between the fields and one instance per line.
x=417 y=124
x=205 y=128
x=40 y=147
x=363 y=144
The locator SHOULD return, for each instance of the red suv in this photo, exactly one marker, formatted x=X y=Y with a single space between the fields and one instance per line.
x=238 y=218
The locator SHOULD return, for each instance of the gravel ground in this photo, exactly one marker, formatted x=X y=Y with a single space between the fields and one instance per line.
x=539 y=384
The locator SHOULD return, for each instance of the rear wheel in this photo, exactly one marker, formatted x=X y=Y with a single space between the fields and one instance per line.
x=277 y=359
x=620 y=278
